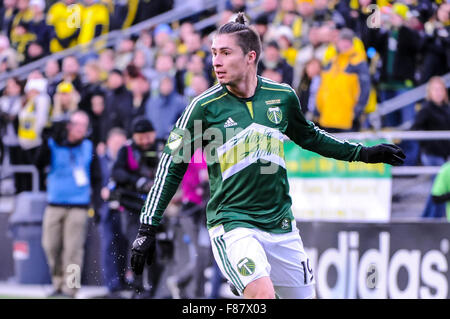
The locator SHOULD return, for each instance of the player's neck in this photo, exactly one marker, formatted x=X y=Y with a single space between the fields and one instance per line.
x=246 y=87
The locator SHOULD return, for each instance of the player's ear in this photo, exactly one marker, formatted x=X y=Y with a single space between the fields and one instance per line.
x=251 y=56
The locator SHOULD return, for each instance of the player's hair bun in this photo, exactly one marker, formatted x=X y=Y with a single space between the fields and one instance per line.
x=240 y=18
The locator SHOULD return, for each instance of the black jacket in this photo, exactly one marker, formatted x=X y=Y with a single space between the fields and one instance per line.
x=409 y=44
x=134 y=173
x=119 y=107
x=433 y=117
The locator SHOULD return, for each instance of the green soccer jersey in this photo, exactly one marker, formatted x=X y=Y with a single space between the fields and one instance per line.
x=242 y=140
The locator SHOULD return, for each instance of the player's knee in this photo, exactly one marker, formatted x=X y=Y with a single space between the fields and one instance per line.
x=261 y=288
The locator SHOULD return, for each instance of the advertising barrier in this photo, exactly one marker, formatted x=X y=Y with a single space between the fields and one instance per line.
x=378 y=260
x=328 y=189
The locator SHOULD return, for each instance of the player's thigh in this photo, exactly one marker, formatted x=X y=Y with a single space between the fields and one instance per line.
x=291 y=266
x=240 y=257
x=304 y=292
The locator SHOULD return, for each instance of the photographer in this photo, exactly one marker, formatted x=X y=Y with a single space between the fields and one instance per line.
x=133 y=173
x=73 y=183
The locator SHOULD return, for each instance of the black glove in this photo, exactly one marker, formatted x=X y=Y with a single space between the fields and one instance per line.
x=143 y=248
x=382 y=153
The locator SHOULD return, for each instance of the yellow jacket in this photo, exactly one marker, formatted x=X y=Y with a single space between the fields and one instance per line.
x=344 y=90
x=94 y=16
x=66 y=21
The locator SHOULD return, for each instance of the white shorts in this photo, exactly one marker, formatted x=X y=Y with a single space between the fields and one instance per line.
x=246 y=254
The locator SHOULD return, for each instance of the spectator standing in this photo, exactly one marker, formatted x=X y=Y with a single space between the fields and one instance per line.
x=344 y=88
x=436 y=60
x=133 y=174
x=34 y=116
x=73 y=177
x=140 y=88
x=71 y=72
x=65 y=102
x=113 y=242
x=163 y=110
x=92 y=83
x=118 y=102
x=8 y=57
x=65 y=18
x=53 y=76
x=434 y=115
x=7 y=13
x=10 y=105
x=99 y=120
x=39 y=26
x=271 y=59
x=309 y=85
x=398 y=47
x=94 y=22
x=316 y=48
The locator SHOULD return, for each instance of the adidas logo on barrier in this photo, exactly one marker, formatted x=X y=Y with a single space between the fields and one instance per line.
x=229 y=123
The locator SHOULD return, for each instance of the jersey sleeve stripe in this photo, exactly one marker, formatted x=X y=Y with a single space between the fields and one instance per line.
x=191 y=107
x=187 y=112
x=146 y=217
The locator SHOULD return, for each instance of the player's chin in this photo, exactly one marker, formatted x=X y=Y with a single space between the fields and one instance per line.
x=223 y=81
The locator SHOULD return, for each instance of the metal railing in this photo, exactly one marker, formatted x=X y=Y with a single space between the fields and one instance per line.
x=401 y=101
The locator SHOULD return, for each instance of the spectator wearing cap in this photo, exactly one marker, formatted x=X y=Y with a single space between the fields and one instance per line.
x=65 y=101
x=133 y=174
x=34 y=115
x=344 y=88
x=272 y=59
x=164 y=109
x=162 y=34
x=71 y=72
x=118 y=102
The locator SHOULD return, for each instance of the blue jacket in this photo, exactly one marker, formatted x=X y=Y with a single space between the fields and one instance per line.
x=69 y=178
x=164 y=111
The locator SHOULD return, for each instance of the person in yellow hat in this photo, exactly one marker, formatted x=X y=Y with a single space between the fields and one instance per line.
x=66 y=101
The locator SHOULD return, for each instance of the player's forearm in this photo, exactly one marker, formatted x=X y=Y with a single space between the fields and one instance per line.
x=326 y=145
x=168 y=178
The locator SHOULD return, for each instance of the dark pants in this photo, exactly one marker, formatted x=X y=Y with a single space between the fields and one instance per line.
x=113 y=249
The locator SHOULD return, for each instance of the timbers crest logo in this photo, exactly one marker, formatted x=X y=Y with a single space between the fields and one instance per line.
x=274 y=115
x=246 y=266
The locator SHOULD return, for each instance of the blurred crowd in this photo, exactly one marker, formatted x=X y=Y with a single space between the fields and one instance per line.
x=342 y=58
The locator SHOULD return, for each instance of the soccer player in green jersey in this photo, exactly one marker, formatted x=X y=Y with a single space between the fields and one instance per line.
x=241 y=124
